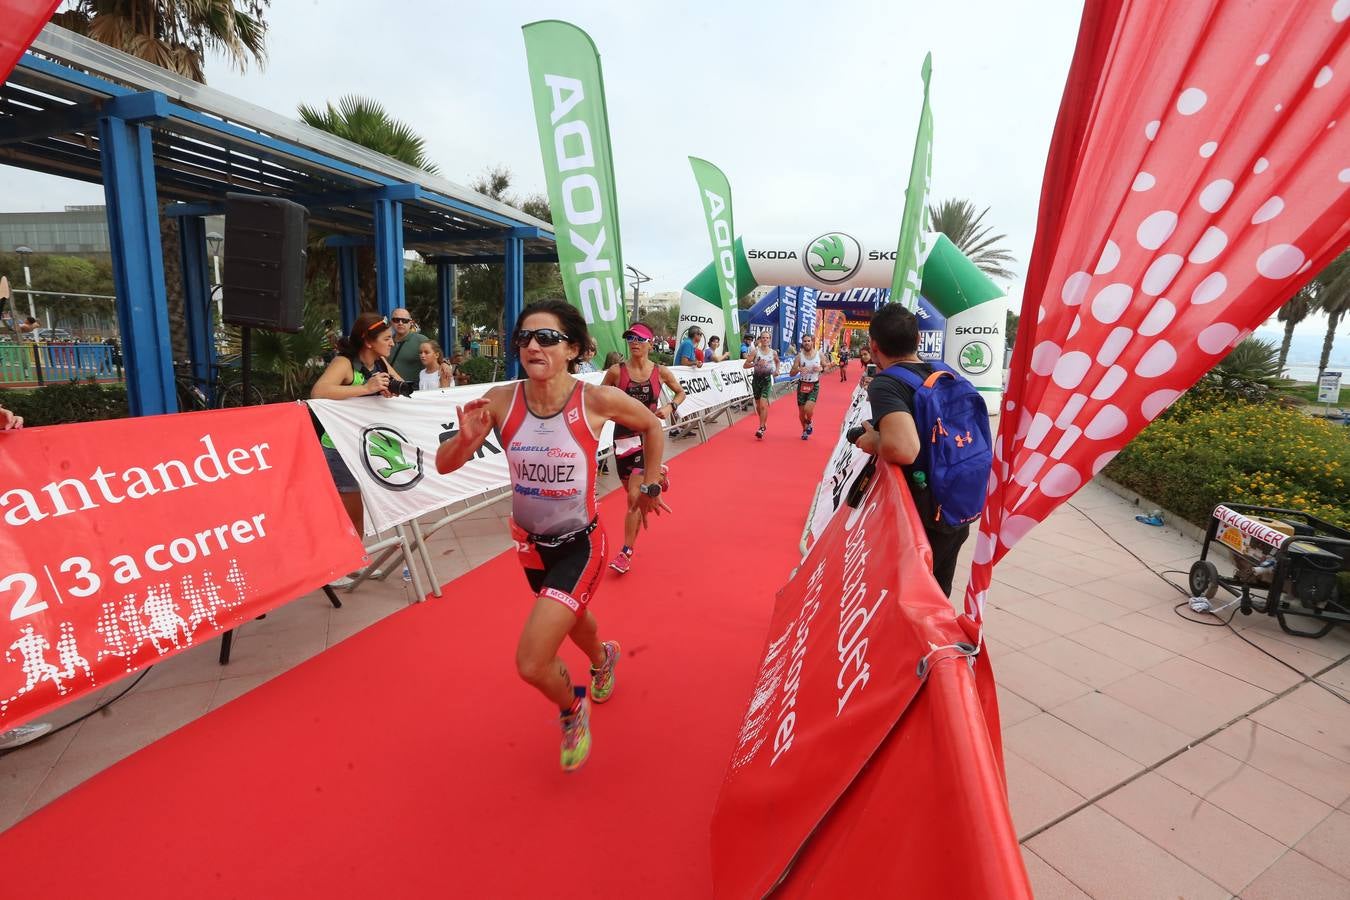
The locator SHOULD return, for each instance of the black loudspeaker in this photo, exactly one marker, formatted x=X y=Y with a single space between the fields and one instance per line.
x=264 y=262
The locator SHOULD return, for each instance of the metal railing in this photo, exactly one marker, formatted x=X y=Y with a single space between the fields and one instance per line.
x=30 y=363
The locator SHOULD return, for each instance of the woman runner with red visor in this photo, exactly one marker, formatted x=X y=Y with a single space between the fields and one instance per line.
x=640 y=378
x=549 y=426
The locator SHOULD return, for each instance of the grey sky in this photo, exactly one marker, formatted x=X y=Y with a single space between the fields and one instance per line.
x=809 y=108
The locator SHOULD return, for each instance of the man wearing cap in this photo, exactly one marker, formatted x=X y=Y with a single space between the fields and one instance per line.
x=691 y=351
x=407 y=344
x=640 y=378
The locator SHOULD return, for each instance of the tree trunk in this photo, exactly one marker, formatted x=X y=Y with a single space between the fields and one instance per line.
x=1288 y=337
x=1333 y=319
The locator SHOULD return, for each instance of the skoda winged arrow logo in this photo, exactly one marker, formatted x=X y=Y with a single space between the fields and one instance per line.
x=976 y=357
x=833 y=257
x=384 y=452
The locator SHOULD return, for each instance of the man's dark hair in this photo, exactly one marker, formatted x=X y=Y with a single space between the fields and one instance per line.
x=895 y=330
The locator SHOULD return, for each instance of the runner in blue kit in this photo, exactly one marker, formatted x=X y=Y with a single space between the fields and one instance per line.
x=549 y=426
x=640 y=378
x=807 y=366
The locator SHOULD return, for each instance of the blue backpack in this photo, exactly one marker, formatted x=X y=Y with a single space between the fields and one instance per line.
x=955 y=450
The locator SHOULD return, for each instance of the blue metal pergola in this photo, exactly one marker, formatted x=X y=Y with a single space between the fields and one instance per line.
x=78 y=109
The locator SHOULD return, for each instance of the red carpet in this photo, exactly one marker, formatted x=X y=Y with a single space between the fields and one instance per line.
x=409 y=761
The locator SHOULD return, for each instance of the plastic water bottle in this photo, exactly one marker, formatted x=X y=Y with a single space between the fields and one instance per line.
x=407 y=574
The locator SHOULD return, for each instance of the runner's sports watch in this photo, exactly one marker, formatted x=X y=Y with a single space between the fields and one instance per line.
x=650 y=490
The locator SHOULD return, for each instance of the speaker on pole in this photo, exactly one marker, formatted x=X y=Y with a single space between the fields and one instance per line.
x=264 y=285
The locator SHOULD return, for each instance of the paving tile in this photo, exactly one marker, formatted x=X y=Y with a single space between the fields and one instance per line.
x=1086 y=605
x=228 y=689
x=1025 y=579
x=1036 y=799
x=1122 y=647
x=1035 y=681
x=1048 y=615
x=1262 y=801
x=72 y=773
x=137 y=720
x=1046 y=882
x=274 y=651
x=1225 y=693
x=1110 y=861
x=1329 y=843
x=1071 y=757
x=1338 y=678
x=1013 y=708
x=1185 y=712
x=1302 y=658
x=1178 y=637
x=1222 y=847
x=1079 y=662
x=1294 y=717
x=1121 y=727
x=1013 y=630
x=1297 y=876
x=16 y=787
x=1234 y=656
x=1285 y=759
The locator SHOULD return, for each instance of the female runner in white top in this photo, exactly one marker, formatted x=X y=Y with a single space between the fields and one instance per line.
x=549 y=425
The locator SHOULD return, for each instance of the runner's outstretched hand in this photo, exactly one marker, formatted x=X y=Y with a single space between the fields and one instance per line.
x=474 y=420
x=645 y=504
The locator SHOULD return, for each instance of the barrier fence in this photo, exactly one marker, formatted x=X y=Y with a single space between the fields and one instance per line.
x=32 y=363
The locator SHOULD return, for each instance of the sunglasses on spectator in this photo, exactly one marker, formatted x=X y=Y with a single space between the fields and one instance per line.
x=633 y=337
x=399 y=320
x=547 y=337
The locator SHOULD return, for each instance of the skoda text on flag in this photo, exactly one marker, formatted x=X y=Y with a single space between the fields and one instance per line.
x=569 y=109
x=123 y=542
x=913 y=222
x=715 y=194
x=1178 y=212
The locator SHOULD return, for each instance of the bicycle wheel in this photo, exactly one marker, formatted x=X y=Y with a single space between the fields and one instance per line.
x=231 y=396
x=190 y=397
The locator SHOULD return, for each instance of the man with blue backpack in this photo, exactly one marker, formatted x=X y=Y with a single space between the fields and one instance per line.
x=932 y=423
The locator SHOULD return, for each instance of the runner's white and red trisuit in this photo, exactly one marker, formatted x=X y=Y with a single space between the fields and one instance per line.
x=553 y=510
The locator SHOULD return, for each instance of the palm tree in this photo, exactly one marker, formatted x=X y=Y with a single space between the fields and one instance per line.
x=364 y=121
x=958 y=221
x=1250 y=370
x=1295 y=310
x=174 y=34
x=1333 y=299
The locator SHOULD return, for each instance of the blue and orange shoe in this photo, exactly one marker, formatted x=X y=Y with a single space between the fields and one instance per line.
x=602 y=679
x=576 y=732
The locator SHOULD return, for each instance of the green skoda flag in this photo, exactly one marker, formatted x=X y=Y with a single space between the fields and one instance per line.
x=569 y=110
x=909 y=253
x=715 y=193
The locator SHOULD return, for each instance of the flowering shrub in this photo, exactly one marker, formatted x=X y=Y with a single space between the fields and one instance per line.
x=1208 y=450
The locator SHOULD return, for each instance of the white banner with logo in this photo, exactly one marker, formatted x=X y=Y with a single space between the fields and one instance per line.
x=845 y=464
x=390 y=443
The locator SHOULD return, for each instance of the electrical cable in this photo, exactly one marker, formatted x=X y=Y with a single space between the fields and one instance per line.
x=1219 y=624
x=96 y=709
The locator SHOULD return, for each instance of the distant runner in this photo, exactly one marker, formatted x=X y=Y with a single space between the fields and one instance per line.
x=808 y=364
x=549 y=425
x=641 y=379
x=764 y=361
x=843 y=360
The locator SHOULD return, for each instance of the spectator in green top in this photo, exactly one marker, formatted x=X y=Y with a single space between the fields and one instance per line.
x=405 y=357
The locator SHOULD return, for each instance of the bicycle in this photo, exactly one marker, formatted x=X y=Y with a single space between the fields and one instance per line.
x=195 y=394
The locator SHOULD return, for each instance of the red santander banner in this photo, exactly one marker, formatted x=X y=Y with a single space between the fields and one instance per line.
x=1199 y=174
x=852 y=641
x=126 y=541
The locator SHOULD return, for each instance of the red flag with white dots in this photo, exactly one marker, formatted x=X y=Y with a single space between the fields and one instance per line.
x=1198 y=176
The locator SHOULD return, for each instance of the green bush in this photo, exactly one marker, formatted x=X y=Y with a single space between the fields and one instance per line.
x=61 y=404
x=1208 y=450
x=481 y=368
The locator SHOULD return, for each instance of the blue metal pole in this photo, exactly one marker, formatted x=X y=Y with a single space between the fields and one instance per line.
x=515 y=301
x=197 y=297
x=389 y=255
x=349 y=287
x=445 y=295
x=138 y=265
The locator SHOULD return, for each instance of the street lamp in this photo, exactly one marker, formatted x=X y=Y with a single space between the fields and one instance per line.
x=213 y=240
x=24 y=253
x=639 y=279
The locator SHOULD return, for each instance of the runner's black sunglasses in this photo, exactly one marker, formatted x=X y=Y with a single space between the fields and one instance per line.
x=547 y=337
